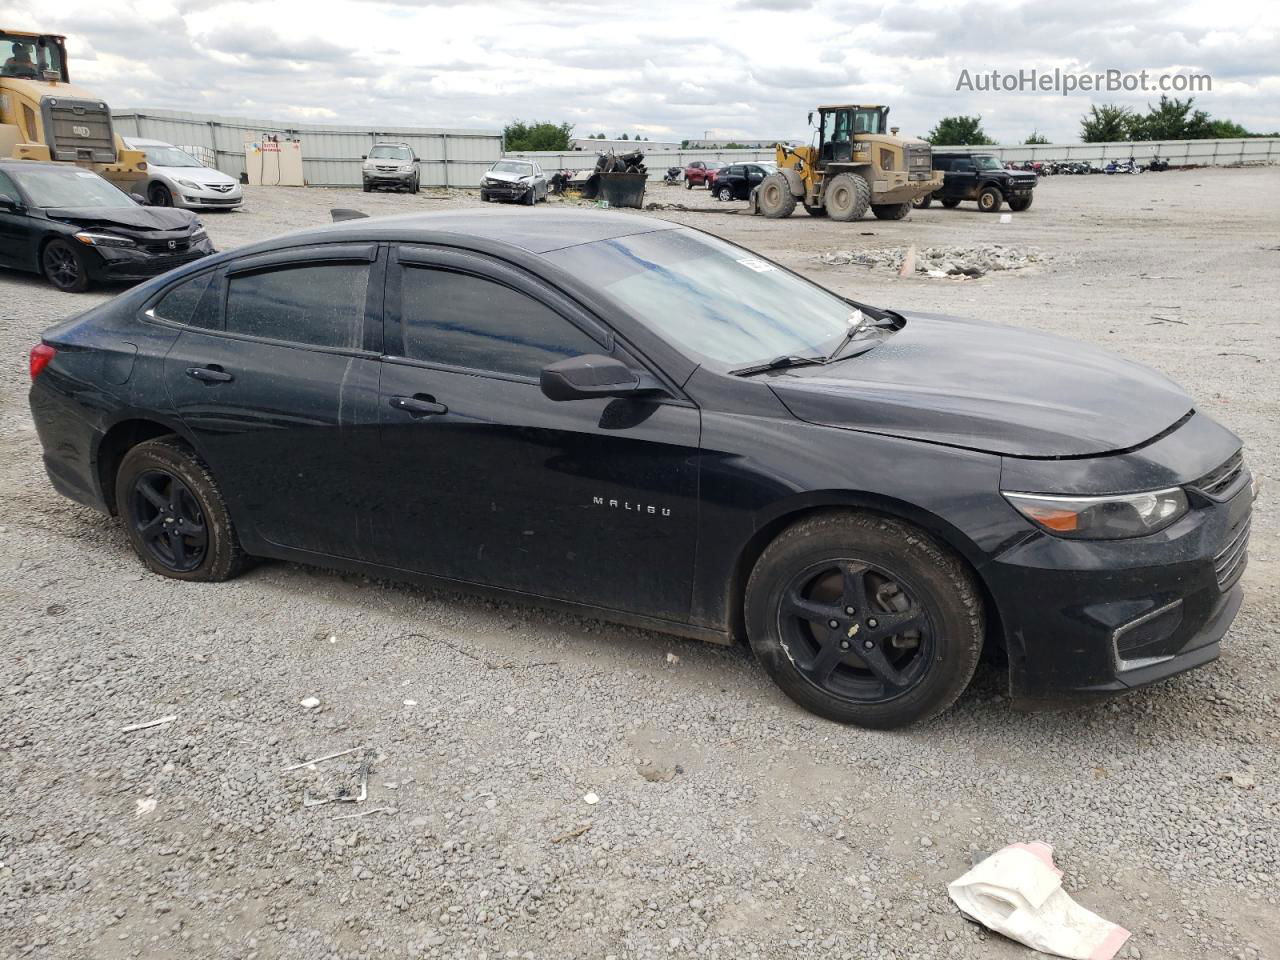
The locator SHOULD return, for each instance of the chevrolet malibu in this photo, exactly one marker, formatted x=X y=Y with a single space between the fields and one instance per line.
x=656 y=426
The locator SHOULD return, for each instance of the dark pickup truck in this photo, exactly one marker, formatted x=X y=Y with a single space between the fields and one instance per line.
x=980 y=177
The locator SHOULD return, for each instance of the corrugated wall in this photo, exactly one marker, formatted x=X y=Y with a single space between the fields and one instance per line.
x=330 y=153
x=656 y=162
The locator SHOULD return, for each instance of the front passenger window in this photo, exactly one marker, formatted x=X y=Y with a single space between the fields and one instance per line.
x=319 y=304
x=466 y=321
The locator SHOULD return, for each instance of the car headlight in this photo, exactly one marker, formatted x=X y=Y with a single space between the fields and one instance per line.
x=103 y=239
x=1113 y=517
x=190 y=185
x=198 y=233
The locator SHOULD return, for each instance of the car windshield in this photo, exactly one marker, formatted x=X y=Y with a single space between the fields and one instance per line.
x=711 y=298
x=386 y=152
x=715 y=164
x=70 y=187
x=987 y=163
x=510 y=166
x=170 y=157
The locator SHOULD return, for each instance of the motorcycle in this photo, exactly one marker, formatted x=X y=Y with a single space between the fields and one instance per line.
x=673 y=175
x=1157 y=165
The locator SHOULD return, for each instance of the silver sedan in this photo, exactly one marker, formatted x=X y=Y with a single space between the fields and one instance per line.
x=177 y=179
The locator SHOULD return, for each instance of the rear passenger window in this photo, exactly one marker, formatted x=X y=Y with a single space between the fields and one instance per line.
x=465 y=321
x=320 y=304
x=193 y=302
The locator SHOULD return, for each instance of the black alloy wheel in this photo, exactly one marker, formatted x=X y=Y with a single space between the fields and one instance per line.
x=855 y=631
x=64 y=267
x=168 y=521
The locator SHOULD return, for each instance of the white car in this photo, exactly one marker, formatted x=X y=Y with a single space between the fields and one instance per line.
x=177 y=179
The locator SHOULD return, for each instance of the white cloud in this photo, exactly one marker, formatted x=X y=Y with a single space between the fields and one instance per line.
x=666 y=68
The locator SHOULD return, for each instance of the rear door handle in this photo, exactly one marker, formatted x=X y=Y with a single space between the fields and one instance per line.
x=421 y=405
x=210 y=374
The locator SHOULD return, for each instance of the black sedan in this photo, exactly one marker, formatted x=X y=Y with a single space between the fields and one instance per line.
x=74 y=228
x=649 y=423
x=736 y=181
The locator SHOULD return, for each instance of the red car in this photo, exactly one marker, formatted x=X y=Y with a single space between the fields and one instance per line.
x=701 y=173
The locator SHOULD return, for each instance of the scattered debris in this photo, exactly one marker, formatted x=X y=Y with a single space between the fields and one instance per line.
x=673 y=658
x=956 y=263
x=309 y=703
x=146 y=805
x=150 y=723
x=590 y=799
x=657 y=773
x=1240 y=778
x=339 y=214
x=1006 y=218
x=346 y=796
x=411 y=703
x=1166 y=320
x=1017 y=891
x=1232 y=353
x=365 y=813
x=572 y=834
x=665 y=206
x=331 y=756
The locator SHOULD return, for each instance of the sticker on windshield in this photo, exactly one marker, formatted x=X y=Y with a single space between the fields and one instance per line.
x=86 y=174
x=756 y=264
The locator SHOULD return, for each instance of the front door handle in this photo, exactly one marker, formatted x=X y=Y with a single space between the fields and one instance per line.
x=210 y=374
x=420 y=405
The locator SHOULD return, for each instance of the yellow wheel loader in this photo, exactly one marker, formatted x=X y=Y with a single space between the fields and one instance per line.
x=855 y=162
x=43 y=116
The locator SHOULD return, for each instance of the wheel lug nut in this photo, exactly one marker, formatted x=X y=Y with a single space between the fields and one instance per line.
x=850 y=611
x=867 y=644
x=873 y=623
x=833 y=624
x=844 y=644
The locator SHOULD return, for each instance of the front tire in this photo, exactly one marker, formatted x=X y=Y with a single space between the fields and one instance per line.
x=920 y=203
x=864 y=619
x=174 y=513
x=688 y=184
x=775 y=198
x=818 y=211
x=1018 y=204
x=63 y=266
x=724 y=194
x=847 y=197
x=951 y=204
x=890 y=211
x=158 y=195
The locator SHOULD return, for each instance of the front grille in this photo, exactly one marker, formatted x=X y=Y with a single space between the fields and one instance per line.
x=210 y=201
x=81 y=130
x=151 y=266
x=919 y=161
x=1230 y=561
x=162 y=247
x=220 y=187
x=1219 y=480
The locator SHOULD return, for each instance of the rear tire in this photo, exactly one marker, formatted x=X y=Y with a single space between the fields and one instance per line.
x=989 y=200
x=368 y=187
x=920 y=203
x=909 y=648
x=890 y=211
x=417 y=183
x=688 y=184
x=63 y=266
x=1018 y=204
x=174 y=513
x=775 y=198
x=724 y=194
x=847 y=197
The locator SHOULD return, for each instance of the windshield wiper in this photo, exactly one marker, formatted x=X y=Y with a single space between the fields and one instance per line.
x=858 y=323
x=777 y=363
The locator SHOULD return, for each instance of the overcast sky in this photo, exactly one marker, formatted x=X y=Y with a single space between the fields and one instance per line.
x=667 y=69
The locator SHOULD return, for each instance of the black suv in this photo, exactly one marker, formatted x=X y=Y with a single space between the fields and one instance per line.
x=981 y=177
x=735 y=182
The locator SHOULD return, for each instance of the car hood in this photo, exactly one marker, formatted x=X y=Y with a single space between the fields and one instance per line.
x=987 y=387
x=203 y=175
x=128 y=219
x=508 y=177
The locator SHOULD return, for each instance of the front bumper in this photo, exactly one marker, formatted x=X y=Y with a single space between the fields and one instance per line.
x=203 y=199
x=388 y=178
x=504 y=191
x=1098 y=617
x=108 y=264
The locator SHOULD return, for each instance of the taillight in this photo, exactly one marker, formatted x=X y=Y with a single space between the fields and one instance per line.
x=41 y=354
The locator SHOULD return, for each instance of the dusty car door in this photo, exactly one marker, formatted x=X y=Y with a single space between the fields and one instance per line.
x=279 y=391
x=489 y=481
x=17 y=231
x=962 y=182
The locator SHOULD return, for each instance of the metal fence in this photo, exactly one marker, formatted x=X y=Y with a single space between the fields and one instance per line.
x=330 y=153
x=1254 y=150
x=1177 y=152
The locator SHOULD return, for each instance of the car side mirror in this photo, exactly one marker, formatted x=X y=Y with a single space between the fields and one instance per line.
x=364 y=156
x=138 y=199
x=594 y=375
x=8 y=203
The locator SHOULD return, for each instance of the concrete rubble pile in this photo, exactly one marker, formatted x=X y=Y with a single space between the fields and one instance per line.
x=958 y=263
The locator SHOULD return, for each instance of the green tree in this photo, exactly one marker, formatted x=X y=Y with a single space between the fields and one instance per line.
x=623 y=137
x=684 y=144
x=519 y=135
x=959 y=132
x=1229 y=130
x=1108 y=123
x=1036 y=137
x=1173 y=119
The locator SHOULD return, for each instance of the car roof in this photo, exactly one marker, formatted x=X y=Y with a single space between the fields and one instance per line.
x=142 y=142
x=10 y=163
x=535 y=233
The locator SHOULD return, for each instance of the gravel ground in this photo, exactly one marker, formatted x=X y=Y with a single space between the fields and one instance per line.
x=728 y=823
